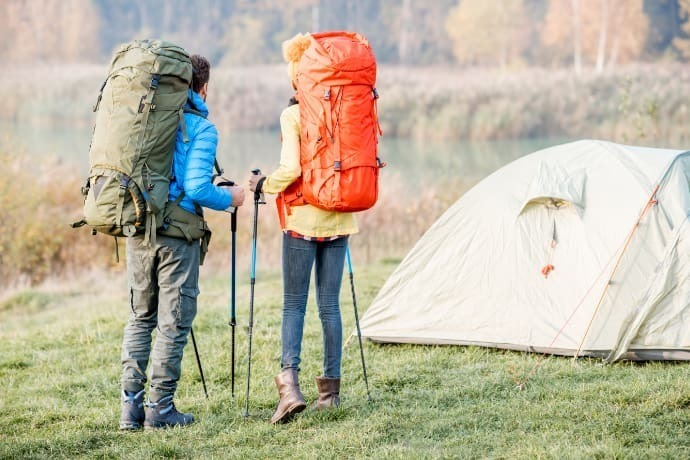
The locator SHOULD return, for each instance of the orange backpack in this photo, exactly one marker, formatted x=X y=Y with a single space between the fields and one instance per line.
x=339 y=126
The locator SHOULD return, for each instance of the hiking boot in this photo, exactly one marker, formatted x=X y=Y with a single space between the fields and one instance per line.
x=329 y=392
x=162 y=414
x=291 y=400
x=132 y=415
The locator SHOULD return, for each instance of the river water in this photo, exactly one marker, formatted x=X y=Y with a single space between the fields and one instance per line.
x=239 y=152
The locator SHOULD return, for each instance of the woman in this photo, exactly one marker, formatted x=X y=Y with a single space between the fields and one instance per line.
x=311 y=237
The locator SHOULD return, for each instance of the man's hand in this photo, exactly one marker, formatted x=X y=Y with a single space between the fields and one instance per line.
x=237 y=195
x=254 y=180
x=236 y=191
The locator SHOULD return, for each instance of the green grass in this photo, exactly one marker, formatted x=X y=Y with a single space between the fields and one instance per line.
x=59 y=387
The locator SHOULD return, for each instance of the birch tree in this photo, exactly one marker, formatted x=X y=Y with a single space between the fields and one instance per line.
x=600 y=33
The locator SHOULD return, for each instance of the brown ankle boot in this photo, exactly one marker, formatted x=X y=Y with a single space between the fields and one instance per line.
x=291 y=399
x=329 y=392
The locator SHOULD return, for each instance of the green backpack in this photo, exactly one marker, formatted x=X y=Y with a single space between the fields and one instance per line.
x=139 y=108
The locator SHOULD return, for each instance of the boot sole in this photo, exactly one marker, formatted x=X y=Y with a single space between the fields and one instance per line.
x=164 y=427
x=290 y=413
x=130 y=426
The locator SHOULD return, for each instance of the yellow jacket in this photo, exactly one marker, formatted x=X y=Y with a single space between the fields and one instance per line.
x=306 y=220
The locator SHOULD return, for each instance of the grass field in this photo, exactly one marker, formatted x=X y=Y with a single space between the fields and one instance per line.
x=59 y=375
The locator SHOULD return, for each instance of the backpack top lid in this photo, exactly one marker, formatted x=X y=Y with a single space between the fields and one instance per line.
x=338 y=58
x=155 y=57
x=159 y=47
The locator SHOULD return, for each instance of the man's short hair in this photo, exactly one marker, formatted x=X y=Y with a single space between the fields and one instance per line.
x=201 y=72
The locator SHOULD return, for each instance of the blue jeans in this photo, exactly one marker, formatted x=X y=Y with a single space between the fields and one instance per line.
x=328 y=257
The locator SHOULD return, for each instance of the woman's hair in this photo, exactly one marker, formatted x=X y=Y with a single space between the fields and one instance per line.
x=293 y=49
x=201 y=72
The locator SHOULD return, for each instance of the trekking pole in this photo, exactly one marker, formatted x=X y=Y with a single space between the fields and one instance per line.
x=258 y=199
x=359 y=333
x=233 y=322
x=198 y=362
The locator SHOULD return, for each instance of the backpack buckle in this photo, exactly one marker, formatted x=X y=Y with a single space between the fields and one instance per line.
x=327 y=94
x=154 y=81
x=86 y=187
x=336 y=166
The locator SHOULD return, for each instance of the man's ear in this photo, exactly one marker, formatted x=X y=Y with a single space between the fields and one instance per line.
x=203 y=92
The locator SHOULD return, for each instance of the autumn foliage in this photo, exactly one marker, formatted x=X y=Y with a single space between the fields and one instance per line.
x=507 y=34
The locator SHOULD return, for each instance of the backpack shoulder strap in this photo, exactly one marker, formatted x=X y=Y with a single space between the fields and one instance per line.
x=183 y=124
x=194 y=112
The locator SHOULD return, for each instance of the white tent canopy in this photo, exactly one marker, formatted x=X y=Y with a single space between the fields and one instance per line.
x=577 y=249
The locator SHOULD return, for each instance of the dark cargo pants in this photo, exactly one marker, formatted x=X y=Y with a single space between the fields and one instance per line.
x=163 y=288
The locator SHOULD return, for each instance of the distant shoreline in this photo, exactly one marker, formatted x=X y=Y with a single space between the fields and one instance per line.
x=639 y=104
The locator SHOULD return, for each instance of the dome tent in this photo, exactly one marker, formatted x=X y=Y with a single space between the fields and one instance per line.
x=577 y=249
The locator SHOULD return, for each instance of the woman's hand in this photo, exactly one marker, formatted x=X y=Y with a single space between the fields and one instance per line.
x=254 y=180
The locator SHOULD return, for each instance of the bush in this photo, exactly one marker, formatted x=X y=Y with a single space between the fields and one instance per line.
x=638 y=103
x=39 y=200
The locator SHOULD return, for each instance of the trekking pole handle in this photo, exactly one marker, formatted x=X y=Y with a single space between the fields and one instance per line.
x=233 y=219
x=258 y=196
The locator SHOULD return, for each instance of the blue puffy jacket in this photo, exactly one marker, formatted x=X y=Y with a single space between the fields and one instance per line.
x=194 y=160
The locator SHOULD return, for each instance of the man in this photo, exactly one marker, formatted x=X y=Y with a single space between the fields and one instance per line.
x=164 y=276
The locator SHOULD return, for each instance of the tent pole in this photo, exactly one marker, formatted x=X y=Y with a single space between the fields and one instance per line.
x=650 y=203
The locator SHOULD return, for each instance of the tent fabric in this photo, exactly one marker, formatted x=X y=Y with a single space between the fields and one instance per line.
x=612 y=222
x=553 y=186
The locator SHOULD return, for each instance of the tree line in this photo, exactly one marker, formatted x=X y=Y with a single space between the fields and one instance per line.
x=597 y=34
